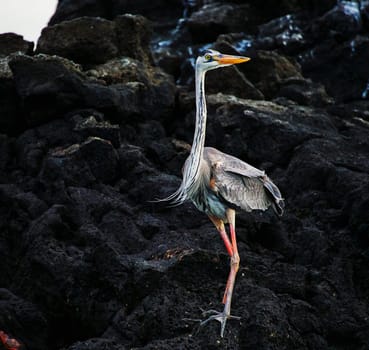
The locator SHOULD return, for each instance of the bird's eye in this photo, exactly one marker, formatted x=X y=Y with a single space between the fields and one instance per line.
x=207 y=57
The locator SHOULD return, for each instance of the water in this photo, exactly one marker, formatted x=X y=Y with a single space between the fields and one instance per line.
x=350 y=8
x=285 y=30
x=242 y=45
x=365 y=92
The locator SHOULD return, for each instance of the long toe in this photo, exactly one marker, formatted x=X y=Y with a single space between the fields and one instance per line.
x=222 y=317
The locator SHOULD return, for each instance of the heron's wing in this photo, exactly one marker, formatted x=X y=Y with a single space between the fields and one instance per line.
x=245 y=186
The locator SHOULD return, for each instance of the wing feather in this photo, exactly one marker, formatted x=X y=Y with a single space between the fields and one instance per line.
x=243 y=185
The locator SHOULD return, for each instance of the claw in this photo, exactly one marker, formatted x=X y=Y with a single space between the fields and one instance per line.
x=222 y=317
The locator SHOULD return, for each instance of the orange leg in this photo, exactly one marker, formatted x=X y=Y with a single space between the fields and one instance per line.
x=219 y=224
x=232 y=249
x=235 y=262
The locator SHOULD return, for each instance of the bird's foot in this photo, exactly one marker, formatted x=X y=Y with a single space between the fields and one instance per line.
x=222 y=317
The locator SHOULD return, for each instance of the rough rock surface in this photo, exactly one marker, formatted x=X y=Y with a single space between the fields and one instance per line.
x=96 y=40
x=92 y=132
x=11 y=42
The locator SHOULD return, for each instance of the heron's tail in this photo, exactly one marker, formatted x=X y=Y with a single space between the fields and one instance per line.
x=278 y=201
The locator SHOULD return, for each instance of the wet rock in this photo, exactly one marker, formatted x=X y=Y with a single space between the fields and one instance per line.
x=11 y=43
x=96 y=40
x=341 y=22
x=364 y=11
x=284 y=33
x=268 y=11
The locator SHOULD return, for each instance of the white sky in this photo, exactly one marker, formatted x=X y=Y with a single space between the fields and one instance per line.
x=25 y=17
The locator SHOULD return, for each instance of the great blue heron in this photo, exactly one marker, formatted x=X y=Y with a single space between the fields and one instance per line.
x=218 y=183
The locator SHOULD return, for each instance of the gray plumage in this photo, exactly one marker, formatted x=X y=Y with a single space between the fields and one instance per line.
x=241 y=184
x=218 y=183
x=227 y=182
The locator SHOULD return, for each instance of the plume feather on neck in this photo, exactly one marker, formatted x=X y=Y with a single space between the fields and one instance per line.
x=191 y=170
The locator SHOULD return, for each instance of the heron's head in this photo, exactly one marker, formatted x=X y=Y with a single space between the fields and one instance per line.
x=213 y=59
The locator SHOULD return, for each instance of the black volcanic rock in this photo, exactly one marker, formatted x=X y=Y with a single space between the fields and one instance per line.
x=163 y=10
x=90 y=126
x=267 y=69
x=96 y=40
x=83 y=40
x=44 y=98
x=11 y=43
x=133 y=37
x=11 y=120
x=91 y=258
x=93 y=160
x=149 y=86
x=286 y=33
x=97 y=344
x=71 y=9
x=22 y=317
x=304 y=92
x=47 y=86
x=341 y=22
x=340 y=66
x=213 y=19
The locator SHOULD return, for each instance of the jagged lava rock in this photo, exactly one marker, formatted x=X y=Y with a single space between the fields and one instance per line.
x=157 y=11
x=304 y=92
x=83 y=40
x=90 y=126
x=133 y=37
x=70 y=9
x=82 y=164
x=11 y=42
x=49 y=86
x=96 y=344
x=84 y=245
x=96 y=40
x=11 y=119
x=22 y=317
x=216 y=18
x=340 y=66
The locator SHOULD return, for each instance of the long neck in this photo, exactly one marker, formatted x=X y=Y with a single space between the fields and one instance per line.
x=191 y=173
x=191 y=170
x=201 y=115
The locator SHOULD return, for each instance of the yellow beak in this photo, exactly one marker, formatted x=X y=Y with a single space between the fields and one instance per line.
x=229 y=59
